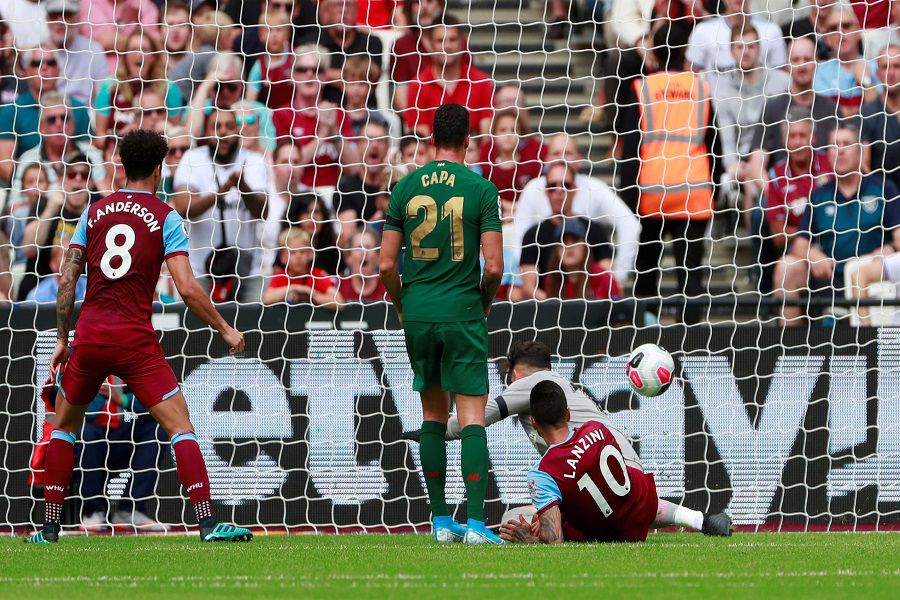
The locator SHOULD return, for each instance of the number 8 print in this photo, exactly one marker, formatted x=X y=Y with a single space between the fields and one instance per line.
x=113 y=250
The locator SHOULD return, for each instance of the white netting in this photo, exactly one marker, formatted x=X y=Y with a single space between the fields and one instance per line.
x=748 y=186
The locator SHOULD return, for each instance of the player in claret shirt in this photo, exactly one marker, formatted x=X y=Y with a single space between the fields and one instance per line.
x=584 y=491
x=123 y=241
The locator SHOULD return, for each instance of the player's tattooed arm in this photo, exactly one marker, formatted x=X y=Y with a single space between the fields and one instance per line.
x=547 y=530
x=73 y=267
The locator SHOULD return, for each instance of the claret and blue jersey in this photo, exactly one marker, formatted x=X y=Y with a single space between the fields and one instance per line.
x=126 y=238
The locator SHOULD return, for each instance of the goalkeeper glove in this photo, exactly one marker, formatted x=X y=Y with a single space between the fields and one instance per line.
x=412 y=436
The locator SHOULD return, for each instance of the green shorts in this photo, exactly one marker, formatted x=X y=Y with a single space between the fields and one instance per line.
x=452 y=356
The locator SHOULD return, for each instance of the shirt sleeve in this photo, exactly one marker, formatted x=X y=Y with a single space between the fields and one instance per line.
x=103 y=101
x=892 y=206
x=544 y=491
x=7 y=122
x=175 y=239
x=804 y=230
x=79 y=238
x=775 y=207
x=394 y=218
x=490 y=210
x=254 y=79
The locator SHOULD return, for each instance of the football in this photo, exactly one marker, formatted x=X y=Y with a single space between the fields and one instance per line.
x=650 y=370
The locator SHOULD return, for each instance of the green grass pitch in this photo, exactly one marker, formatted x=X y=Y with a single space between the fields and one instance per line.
x=758 y=566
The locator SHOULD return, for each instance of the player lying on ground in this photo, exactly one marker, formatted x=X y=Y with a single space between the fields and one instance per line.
x=444 y=213
x=123 y=240
x=584 y=491
x=528 y=364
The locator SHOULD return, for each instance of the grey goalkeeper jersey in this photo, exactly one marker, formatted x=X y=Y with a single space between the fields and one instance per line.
x=516 y=401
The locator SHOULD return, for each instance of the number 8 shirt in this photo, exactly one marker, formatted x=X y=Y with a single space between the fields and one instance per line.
x=601 y=498
x=126 y=237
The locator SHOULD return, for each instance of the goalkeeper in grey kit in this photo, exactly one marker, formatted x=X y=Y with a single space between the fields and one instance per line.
x=529 y=365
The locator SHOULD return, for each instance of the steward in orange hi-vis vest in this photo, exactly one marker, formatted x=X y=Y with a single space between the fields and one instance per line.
x=675 y=176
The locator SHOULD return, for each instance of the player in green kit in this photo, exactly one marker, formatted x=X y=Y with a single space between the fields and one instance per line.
x=441 y=215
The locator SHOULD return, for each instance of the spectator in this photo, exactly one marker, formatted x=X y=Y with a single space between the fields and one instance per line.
x=150 y=111
x=881 y=123
x=180 y=142
x=27 y=19
x=54 y=220
x=307 y=212
x=213 y=34
x=847 y=78
x=252 y=138
x=572 y=271
x=342 y=38
x=449 y=79
x=249 y=14
x=812 y=25
x=177 y=35
x=768 y=144
x=509 y=159
x=739 y=98
x=119 y=435
x=81 y=62
x=142 y=67
x=6 y=280
x=22 y=206
x=411 y=53
x=850 y=216
x=112 y=164
x=359 y=79
x=414 y=153
x=320 y=128
x=299 y=281
x=46 y=290
x=593 y=198
x=270 y=77
x=56 y=142
x=359 y=280
x=356 y=192
x=792 y=181
x=286 y=175
x=511 y=96
x=221 y=188
x=19 y=120
x=108 y=22
x=224 y=89
x=9 y=81
x=539 y=240
x=709 y=44
x=675 y=174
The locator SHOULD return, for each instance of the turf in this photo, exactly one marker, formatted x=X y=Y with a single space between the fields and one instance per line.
x=759 y=566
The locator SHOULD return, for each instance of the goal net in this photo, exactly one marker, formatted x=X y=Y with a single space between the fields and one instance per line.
x=680 y=173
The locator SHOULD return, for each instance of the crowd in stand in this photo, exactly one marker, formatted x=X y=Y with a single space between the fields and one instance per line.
x=289 y=121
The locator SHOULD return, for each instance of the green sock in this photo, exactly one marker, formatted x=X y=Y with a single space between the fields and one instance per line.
x=433 y=452
x=475 y=469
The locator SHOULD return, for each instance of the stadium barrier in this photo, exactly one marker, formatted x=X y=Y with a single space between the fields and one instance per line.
x=783 y=428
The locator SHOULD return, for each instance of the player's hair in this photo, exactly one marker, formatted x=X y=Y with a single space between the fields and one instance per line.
x=451 y=126
x=528 y=353
x=142 y=151
x=548 y=403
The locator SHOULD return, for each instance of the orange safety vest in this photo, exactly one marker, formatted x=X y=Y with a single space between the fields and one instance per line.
x=675 y=177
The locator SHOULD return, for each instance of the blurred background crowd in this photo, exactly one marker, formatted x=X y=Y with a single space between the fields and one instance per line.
x=289 y=121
